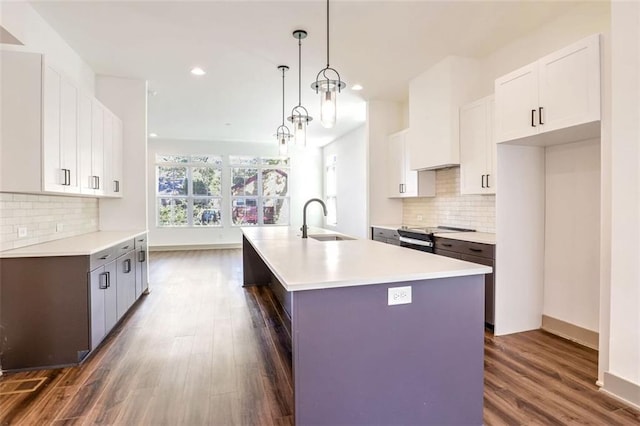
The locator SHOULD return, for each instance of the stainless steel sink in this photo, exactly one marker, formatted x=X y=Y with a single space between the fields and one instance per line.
x=330 y=237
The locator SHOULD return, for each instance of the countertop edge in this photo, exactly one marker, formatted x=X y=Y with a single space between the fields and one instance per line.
x=46 y=251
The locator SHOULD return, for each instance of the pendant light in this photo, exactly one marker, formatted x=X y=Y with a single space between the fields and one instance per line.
x=282 y=133
x=327 y=87
x=299 y=114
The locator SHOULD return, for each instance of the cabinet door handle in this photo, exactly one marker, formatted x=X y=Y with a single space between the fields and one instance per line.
x=116 y=186
x=488 y=186
x=482 y=180
x=68 y=177
x=475 y=249
x=533 y=118
x=108 y=279
x=105 y=257
x=97 y=182
x=446 y=245
x=103 y=281
x=127 y=266
x=540 y=116
x=142 y=256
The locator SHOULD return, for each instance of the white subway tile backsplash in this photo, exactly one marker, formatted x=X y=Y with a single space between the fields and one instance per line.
x=40 y=214
x=451 y=208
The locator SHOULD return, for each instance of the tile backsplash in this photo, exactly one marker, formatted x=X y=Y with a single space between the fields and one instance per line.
x=449 y=208
x=45 y=217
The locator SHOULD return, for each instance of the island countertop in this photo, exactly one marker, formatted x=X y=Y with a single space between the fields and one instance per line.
x=308 y=264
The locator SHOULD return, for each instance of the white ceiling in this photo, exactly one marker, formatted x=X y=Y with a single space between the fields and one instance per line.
x=379 y=44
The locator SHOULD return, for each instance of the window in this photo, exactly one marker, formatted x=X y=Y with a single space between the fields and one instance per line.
x=189 y=191
x=259 y=191
x=331 y=190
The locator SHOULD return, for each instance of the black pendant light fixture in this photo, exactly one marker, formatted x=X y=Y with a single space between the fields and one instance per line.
x=327 y=83
x=282 y=133
x=299 y=114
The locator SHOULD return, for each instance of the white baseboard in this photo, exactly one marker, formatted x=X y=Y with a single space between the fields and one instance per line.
x=582 y=336
x=196 y=247
x=622 y=390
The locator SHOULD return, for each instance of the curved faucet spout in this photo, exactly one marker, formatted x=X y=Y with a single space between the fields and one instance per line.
x=304 y=214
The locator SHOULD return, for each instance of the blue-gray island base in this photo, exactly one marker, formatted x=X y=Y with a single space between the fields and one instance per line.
x=357 y=360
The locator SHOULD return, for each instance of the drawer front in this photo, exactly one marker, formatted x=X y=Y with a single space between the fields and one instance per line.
x=385 y=233
x=393 y=242
x=141 y=241
x=126 y=247
x=102 y=258
x=465 y=247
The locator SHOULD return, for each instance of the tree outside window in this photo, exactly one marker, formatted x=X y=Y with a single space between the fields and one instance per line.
x=260 y=191
x=189 y=190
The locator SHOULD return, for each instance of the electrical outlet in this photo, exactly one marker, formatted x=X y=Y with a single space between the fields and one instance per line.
x=22 y=232
x=419 y=217
x=59 y=227
x=399 y=295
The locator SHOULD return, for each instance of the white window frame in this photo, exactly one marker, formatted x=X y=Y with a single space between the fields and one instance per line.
x=190 y=164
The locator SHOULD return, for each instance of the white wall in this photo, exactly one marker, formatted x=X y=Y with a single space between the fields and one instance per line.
x=572 y=238
x=519 y=239
x=584 y=20
x=351 y=168
x=22 y=21
x=383 y=118
x=305 y=183
x=622 y=374
x=127 y=99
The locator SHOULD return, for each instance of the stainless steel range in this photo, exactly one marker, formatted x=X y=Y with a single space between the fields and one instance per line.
x=422 y=238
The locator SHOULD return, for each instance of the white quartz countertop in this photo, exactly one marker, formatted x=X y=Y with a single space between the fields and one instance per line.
x=81 y=245
x=308 y=264
x=474 y=237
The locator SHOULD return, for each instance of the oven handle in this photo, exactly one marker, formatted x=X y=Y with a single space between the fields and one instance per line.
x=416 y=242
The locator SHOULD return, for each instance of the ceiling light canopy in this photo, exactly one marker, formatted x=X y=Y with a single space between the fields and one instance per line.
x=198 y=71
x=299 y=114
x=282 y=133
x=327 y=83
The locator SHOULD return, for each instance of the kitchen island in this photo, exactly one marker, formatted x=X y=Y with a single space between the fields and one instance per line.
x=380 y=334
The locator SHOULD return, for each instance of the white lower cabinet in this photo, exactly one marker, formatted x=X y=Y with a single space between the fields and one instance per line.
x=402 y=181
x=50 y=139
x=478 y=148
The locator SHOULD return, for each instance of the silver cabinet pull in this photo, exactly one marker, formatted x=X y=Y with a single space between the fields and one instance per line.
x=127 y=266
x=103 y=281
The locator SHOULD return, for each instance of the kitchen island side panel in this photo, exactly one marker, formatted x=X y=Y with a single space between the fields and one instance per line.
x=254 y=269
x=359 y=361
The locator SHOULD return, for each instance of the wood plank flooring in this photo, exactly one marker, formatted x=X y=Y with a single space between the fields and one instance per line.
x=200 y=349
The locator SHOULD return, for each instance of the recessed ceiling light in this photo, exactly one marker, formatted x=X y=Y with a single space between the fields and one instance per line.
x=153 y=135
x=356 y=87
x=227 y=124
x=197 y=71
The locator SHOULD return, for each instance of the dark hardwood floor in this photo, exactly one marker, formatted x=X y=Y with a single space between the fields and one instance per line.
x=200 y=349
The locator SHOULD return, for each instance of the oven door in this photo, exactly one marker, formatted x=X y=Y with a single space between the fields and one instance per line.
x=416 y=244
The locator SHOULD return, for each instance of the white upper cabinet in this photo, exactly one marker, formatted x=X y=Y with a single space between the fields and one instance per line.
x=117 y=158
x=477 y=148
x=557 y=96
x=48 y=140
x=434 y=99
x=402 y=181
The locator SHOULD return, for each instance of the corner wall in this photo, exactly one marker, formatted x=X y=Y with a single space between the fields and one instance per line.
x=351 y=169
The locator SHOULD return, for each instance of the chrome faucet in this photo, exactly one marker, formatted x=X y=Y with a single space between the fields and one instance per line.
x=304 y=214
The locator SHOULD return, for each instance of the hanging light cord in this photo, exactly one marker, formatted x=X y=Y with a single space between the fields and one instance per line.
x=299 y=71
x=327 y=33
x=283 y=70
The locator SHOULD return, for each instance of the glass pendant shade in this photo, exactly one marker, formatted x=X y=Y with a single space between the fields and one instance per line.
x=328 y=109
x=300 y=132
x=283 y=146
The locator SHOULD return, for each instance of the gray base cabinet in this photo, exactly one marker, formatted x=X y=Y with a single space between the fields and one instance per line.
x=55 y=310
x=483 y=254
x=142 y=267
x=385 y=235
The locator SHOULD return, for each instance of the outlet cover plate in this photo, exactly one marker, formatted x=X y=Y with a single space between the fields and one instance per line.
x=22 y=232
x=399 y=295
